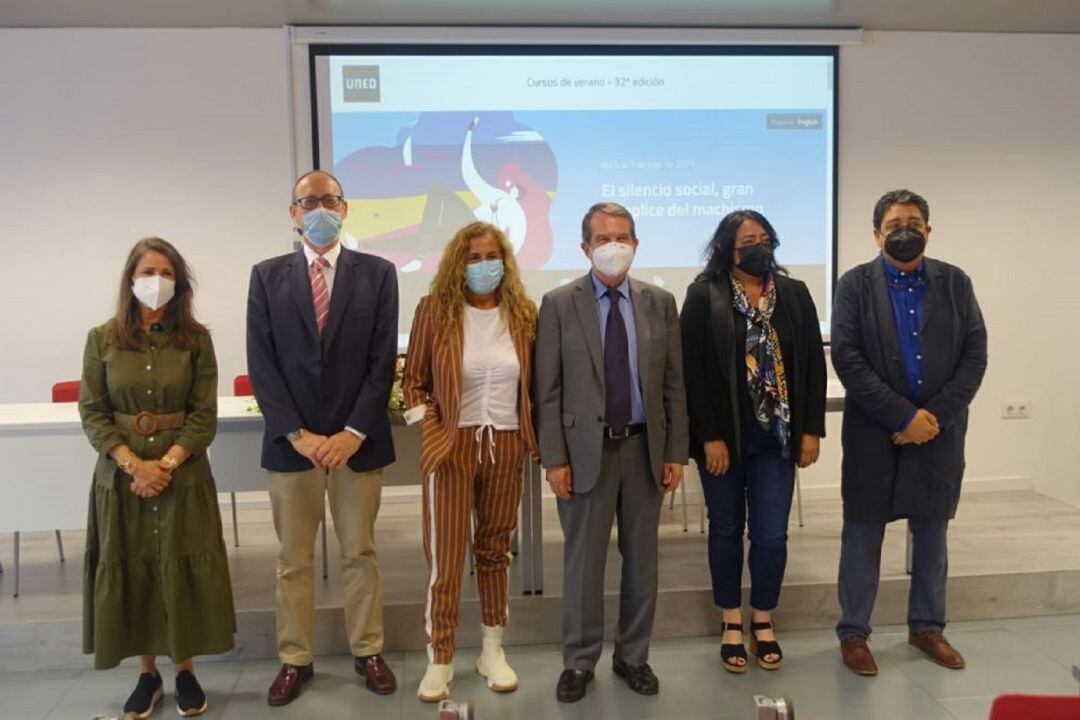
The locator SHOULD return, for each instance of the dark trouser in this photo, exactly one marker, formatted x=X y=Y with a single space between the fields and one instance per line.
x=860 y=569
x=625 y=489
x=763 y=480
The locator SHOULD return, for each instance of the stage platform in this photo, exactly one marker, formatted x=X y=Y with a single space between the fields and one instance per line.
x=1012 y=554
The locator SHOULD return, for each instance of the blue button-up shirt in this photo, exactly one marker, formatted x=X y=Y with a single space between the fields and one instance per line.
x=906 y=290
x=626 y=307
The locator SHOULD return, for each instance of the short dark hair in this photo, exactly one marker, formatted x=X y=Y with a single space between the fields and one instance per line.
x=309 y=173
x=900 y=197
x=720 y=251
x=608 y=208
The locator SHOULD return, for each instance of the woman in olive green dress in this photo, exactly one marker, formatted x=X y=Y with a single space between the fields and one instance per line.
x=156 y=577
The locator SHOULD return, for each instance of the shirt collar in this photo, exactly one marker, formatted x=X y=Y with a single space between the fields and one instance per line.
x=895 y=273
x=601 y=289
x=331 y=255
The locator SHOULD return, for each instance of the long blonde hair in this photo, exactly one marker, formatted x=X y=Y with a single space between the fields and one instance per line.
x=448 y=286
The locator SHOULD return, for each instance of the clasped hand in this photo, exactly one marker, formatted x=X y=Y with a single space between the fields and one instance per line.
x=150 y=478
x=923 y=428
x=327 y=453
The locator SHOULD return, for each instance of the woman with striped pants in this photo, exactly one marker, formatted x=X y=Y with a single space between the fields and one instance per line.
x=466 y=381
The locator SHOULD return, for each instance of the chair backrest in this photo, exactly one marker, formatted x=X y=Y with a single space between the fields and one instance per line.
x=241 y=385
x=1035 y=707
x=67 y=391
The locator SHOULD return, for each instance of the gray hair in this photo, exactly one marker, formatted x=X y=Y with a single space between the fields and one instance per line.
x=607 y=208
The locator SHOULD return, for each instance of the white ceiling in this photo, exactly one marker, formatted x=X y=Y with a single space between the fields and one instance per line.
x=1030 y=16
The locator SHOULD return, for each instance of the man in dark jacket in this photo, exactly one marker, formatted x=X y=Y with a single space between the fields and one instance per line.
x=909 y=345
x=322 y=345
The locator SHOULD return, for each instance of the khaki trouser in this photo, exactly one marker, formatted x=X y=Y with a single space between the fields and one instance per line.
x=297 y=502
x=481 y=475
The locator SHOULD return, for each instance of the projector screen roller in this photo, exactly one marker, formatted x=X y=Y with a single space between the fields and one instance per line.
x=426 y=140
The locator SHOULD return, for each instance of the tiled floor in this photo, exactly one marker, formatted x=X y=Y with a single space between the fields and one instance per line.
x=1025 y=655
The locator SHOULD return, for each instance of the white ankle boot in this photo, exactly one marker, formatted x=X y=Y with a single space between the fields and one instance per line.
x=435 y=685
x=492 y=663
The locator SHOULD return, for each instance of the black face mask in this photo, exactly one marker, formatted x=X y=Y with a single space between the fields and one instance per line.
x=756 y=259
x=904 y=244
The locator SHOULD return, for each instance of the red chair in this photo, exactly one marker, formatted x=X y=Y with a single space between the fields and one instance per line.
x=241 y=385
x=1035 y=707
x=67 y=391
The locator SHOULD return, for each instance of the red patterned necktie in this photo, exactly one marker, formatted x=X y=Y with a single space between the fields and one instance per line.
x=320 y=294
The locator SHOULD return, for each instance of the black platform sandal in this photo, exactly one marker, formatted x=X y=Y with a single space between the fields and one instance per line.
x=761 y=648
x=731 y=651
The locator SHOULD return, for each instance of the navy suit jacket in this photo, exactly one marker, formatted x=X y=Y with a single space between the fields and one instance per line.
x=322 y=387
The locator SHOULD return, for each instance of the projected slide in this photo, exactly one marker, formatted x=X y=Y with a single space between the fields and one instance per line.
x=425 y=145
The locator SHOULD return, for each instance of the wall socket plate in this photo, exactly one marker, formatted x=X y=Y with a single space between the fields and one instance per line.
x=1016 y=409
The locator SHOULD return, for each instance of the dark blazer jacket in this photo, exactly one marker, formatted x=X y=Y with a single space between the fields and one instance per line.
x=345 y=380
x=569 y=379
x=881 y=481
x=714 y=349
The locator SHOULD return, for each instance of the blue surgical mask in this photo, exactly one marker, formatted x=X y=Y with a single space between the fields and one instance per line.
x=484 y=277
x=321 y=226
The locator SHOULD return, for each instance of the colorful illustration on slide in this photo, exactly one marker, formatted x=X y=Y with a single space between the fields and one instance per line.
x=446 y=170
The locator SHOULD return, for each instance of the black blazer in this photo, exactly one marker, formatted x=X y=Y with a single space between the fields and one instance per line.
x=344 y=381
x=881 y=481
x=714 y=349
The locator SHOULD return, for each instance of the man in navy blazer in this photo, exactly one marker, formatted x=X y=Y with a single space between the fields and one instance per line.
x=322 y=346
x=909 y=344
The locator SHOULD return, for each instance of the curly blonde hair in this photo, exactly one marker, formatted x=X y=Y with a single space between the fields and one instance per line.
x=448 y=286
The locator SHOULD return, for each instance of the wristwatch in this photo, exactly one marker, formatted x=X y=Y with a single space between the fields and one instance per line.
x=294 y=435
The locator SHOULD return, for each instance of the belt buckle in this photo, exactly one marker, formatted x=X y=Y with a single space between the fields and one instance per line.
x=145 y=423
x=621 y=434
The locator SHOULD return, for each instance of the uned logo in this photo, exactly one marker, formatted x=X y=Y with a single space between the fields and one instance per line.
x=361 y=83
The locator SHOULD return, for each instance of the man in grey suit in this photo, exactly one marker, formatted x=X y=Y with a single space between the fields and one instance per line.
x=613 y=439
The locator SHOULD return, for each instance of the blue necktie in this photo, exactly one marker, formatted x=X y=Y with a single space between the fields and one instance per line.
x=616 y=366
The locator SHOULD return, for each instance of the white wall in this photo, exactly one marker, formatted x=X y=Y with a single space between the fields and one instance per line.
x=107 y=135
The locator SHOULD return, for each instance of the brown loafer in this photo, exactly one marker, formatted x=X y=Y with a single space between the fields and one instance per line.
x=286 y=686
x=857 y=655
x=378 y=676
x=934 y=644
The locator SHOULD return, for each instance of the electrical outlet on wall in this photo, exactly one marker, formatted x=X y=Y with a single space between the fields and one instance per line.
x=1016 y=409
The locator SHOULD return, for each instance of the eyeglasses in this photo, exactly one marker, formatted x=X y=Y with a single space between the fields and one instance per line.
x=330 y=202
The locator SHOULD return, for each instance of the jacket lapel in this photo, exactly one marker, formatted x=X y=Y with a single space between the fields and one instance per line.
x=300 y=289
x=340 y=297
x=641 y=300
x=585 y=305
x=886 y=323
x=930 y=291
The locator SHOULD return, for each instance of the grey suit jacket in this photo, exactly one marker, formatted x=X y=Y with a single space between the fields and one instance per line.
x=569 y=379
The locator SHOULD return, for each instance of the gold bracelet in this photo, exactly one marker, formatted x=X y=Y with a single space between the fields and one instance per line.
x=170 y=462
x=126 y=464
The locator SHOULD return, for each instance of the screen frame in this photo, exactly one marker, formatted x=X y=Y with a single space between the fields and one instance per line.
x=448 y=48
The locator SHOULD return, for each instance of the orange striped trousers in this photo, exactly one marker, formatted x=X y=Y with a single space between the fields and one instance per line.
x=482 y=473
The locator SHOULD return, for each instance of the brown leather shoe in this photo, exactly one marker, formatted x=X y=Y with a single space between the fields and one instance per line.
x=286 y=686
x=377 y=674
x=934 y=644
x=857 y=655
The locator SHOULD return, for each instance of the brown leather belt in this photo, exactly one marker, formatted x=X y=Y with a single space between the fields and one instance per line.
x=148 y=423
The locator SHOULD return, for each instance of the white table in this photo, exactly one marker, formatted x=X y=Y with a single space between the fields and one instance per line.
x=48 y=465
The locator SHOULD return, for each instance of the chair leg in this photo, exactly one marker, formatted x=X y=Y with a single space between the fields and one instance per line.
x=798 y=496
x=909 y=550
x=235 y=525
x=60 y=545
x=325 y=558
x=671 y=502
x=16 y=594
x=685 y=519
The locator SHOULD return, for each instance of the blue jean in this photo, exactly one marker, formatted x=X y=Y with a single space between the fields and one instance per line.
x=763 y=481
x=860 y=569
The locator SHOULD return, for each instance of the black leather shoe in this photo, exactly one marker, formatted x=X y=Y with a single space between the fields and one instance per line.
x=571 y=687
x=640 y=678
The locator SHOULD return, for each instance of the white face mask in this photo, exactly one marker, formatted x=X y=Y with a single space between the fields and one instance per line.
x=613 y=258
x=153 y=291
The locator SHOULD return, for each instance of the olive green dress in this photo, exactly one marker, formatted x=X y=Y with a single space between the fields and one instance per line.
x=156 y=576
